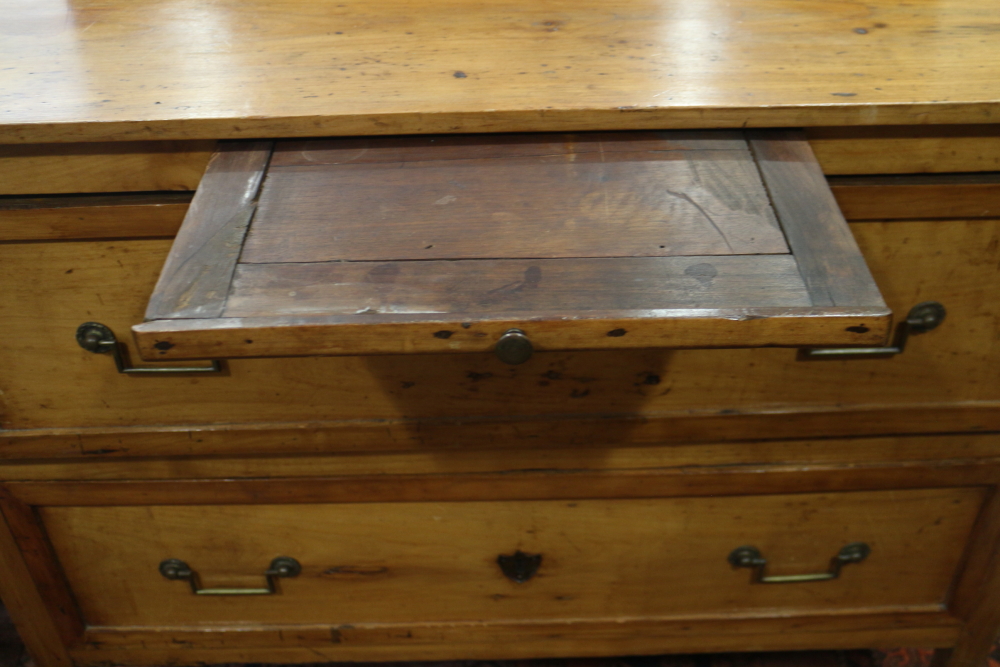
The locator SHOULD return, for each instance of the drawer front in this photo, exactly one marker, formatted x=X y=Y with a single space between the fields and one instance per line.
x=430 y=561
x=130 y=166
x=906 y=149
x=49 y=382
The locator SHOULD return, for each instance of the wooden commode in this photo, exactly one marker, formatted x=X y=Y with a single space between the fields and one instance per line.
x=394 y=331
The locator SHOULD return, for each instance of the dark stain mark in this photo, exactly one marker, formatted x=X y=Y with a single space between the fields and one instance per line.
x=443 y=334
x=861 y=31
x=704 y=273
x=459 y=75
x=428 y=247
x=466 y=325
x=69 y=271
x=843 y=94
x=499 y=596
x=565 y=597
x=617 y=333
x=729 y=411
x=362 y=570
x=98 y=452
x=881 y=25
x=579 y=393
x=552 y=375
x=383 y=273
x=858 y=329
x=335 y=636
x=163 y=345
x=248 y=341
x=406 y=384
x=532 y=277
x=476 y=377
x=650 y=378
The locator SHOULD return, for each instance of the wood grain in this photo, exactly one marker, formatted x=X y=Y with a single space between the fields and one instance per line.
x=975 y=595
x=130 y=166
x=235 y=337
x=45 y=573
x=196 y=276
x=914 y=197
x=490 y=641
x=590 y=434
x=334 y=237
x=27 y=608
x=92 y=217
x=834 y=271
x=944 y=382
x=529 y=485
x=669 y=556
x=373 y=69
x=478 y=288
x=907 y=150
x=464 y=459
x=585 y=195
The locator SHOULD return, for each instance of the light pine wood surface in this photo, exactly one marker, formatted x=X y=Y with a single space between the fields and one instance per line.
x=264 y=68
x=600 y=558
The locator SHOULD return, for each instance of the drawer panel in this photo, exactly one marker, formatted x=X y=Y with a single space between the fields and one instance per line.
x=92 y=216
x=49 y=382
x=129 y=166
x=906 y=149
x=399 y=562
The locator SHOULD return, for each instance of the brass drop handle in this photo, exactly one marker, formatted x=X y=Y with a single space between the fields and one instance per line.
x=100 y=339
x=282 y=566
x=922 y=318
x=752 y=558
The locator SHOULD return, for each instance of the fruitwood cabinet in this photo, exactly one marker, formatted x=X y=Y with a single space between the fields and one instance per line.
x=437 y=502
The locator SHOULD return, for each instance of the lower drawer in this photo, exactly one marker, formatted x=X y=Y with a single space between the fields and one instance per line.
x=580 y=559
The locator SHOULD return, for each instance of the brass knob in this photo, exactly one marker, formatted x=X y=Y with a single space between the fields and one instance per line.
x=514 y=347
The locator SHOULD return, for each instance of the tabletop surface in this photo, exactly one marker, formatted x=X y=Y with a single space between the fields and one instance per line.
x=87 y=70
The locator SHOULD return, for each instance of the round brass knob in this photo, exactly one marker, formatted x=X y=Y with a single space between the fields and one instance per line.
x=514 y=347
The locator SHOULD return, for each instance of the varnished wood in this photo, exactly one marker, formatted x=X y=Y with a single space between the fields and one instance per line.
x=584 y=432
x=668 y=556
x=527 y=485
x=233 y=337
x=907 y=150
x=307 y=405
x=834 y=271
x=92 y=217
x=921 y=196
x=975 y=596
x=440 y=641
x=27 y=608
x=465 y=459
x=402 y=251
x=136 y=166
x=196 y=276
x=473 y=288
x=45 y=573
x=576 y=195
x=372 y=69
